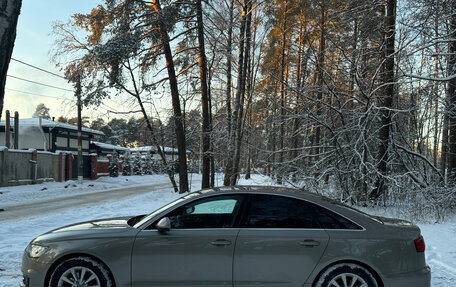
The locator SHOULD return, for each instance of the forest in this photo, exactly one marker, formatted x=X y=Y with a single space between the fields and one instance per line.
x=353 y=97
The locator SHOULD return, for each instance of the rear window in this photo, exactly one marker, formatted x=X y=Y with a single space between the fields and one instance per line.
x=331 y=220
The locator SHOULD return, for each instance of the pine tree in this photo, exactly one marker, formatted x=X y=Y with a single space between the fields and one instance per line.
x=147 y=168
x=41 y=111
x=137 y=164
x=113 y=165
x=126 y=165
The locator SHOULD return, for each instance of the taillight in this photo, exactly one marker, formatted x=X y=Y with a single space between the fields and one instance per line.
x=419 y=244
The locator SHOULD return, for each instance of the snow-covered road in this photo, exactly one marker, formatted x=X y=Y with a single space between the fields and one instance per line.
x=15 y=234
x=61 y=204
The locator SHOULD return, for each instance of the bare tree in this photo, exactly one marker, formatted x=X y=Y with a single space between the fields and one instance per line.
x=9 y=14
x=205 y=133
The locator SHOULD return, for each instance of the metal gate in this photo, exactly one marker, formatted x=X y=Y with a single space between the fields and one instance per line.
x=86 y=166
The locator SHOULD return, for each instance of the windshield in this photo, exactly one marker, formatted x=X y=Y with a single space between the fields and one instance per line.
x=165 y=207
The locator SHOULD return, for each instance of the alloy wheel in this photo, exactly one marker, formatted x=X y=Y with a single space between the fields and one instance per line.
x=348 y=280
x=79 y=276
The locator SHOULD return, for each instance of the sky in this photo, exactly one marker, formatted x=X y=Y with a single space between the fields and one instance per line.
x=34 y=43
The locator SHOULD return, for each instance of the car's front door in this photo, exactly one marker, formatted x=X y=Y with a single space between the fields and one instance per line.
x=279 y=243
x=197 y=251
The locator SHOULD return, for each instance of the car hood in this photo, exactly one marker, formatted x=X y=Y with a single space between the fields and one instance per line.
x=87 y=229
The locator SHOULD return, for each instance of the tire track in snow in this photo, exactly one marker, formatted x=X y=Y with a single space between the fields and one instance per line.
x=50 y=206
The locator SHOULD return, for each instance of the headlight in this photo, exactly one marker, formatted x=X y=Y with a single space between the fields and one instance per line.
x=35 y=251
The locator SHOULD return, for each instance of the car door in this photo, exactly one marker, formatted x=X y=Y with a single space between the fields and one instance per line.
x=279 y=244
x=198 y=249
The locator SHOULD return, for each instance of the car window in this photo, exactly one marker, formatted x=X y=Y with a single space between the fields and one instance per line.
x=165 y=207
x=222 y=206
x=331 y=220
x=213 y=212
x=272 y=211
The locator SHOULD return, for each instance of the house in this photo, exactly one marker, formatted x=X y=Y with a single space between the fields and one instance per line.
x=48 y=135
x=103 y=149
x=171 y=154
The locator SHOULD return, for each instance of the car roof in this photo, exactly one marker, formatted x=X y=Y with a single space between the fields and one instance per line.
x=334 y=205
x=347 y=211
x=269 y=189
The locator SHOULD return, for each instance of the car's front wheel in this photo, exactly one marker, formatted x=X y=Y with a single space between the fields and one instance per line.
x=80 y=272
x=346 y=275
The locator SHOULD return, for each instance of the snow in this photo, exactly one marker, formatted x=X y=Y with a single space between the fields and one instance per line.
x=16 y=234
x=34 y=122
x=27 y=194
x=441 y=252
x=109 y=146
x=153 y=149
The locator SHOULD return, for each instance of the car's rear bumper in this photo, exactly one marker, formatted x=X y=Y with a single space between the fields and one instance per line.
x=419 y=278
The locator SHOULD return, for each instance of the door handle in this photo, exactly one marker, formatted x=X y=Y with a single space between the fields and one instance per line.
x=221 y=242
x=309 y=243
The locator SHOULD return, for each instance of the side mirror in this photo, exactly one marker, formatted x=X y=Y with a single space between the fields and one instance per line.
x=163 y=225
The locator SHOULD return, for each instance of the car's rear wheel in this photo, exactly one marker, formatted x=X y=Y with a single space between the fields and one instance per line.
x=346 y=275
x=80 y=272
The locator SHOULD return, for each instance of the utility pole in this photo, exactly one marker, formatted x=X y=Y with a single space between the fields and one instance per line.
x=80 y=160
x=7 y=129
x=16 y=130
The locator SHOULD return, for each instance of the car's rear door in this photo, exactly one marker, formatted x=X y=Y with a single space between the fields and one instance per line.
x=279 y=244
x=197 y=251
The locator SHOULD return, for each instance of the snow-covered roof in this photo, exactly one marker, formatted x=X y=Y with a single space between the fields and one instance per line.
x=51 y=124
x=109 y=146
x=154 y=149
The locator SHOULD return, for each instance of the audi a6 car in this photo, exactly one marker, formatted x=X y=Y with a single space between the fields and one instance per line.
x=236 y=236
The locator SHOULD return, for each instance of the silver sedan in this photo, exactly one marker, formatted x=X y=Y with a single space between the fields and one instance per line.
x=234 y=236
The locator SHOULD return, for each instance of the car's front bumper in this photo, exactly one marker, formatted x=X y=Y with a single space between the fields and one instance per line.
x=25 y=282
x=419 y=278
x=33 y=271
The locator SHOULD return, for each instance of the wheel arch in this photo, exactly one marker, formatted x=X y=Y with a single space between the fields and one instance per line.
x=75 y=255
x=364 y=265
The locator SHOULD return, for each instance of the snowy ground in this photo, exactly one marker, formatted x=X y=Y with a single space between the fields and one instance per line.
x=15 y=234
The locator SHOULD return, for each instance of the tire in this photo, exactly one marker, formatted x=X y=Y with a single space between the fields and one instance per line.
x=68 y=274
x=346 y=275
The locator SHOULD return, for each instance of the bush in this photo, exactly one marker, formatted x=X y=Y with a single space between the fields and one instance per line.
x=137 y=164
x=126 y=165
x=114 y=165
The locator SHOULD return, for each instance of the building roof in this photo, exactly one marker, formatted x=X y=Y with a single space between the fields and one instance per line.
x=51 y=124
x=109 y=146
x=153 y=149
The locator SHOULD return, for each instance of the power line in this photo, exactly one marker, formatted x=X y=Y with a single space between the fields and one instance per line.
x=38 y=68
x=38 y=83
x=38 y=95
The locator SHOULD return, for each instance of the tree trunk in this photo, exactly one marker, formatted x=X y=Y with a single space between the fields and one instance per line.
x=297 y=111
x=240 y=115
x=446 y=119
x=452 y=98
x=205 y=133
x=436 y=94
x=248 y=167
x=387 y=102
x=283 y=95
x=211 y=147
x=152 y=131
x=9 y=14
x=320 y=74
x=229 y=169
x=178 y=126
x=228 y=70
